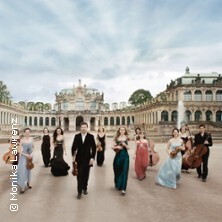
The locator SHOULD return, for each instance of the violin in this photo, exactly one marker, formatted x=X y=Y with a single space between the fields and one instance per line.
x=174 y=153
x=29 y=163
x=194 y=159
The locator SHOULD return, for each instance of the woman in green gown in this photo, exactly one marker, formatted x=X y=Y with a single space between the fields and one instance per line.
x=121 y=160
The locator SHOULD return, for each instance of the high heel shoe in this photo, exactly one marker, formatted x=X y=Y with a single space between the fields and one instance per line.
x=123 y=192
x=30 y=187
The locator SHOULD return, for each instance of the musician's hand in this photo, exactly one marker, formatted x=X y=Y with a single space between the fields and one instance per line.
x=206 y=142
x=91 y=162
x=29 y=156
x=117 y=147
x=124 y=144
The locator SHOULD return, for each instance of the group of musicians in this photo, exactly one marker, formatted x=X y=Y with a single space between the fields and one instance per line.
x=181 y=141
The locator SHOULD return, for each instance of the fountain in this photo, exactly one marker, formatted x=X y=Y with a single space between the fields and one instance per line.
x=181 y=114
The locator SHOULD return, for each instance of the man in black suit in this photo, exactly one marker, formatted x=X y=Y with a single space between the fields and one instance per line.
x=203 y=138
x=83 y=152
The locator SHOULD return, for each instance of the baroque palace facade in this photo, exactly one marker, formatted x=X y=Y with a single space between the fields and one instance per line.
x=200 y=96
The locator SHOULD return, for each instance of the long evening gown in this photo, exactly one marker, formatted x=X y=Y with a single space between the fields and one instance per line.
x=101 y=154
x=58 y=165
x=45 y=148
x=121 y=168
x=23 y=174
x=141 y=161
x=169 y=172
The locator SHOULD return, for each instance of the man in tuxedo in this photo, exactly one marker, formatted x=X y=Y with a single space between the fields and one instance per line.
x=203 y=138
x=83 y=152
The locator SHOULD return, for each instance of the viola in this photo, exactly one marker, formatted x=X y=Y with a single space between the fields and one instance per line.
x=194 y=159
x=75 y=169
x=9 y=157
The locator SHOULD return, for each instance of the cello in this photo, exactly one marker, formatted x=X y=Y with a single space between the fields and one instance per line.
x=153 y=156
x=194 y=159
x=188 y=147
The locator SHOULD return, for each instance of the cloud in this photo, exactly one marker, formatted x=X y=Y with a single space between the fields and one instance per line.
x=114 y=46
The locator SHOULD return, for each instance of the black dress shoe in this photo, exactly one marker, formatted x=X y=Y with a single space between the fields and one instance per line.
x=204 y=180
x=79 y=196
x=85 y=192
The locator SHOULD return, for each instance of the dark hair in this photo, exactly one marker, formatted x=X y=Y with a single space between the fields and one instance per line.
x=44 y=129
x=175 y=129
x=84 y=123
x=137 y=128
x=202 y=125
x=141 y=133
x=118 y=133
x=27 y=129
x=55 y=133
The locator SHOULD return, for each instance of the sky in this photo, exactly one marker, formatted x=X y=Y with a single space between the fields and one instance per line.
x=115 y=46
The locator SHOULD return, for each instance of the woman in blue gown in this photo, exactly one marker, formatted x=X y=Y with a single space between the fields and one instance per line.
x=24 y=174
x=121 y=160
x=169 y=172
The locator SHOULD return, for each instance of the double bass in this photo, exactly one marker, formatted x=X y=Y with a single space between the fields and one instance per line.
x=194 y=159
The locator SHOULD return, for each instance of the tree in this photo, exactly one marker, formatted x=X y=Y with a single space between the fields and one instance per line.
x=4 y=93
x=140 y=97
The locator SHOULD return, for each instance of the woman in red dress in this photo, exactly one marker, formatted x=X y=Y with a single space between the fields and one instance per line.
x=141 y=156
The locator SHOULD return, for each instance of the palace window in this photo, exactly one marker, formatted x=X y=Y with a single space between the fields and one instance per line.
x=41 y=121
x=117 y=121
x=53 y=121
x=65 y=105
x=123 y=120
x=128 y=120
x=219 y=95
x=111 y=121
x=106 y=121
x=79 y=105
x=164 y=116
x=93 y=105
x=47 y=121
x=25 y=120
x=208 y=115
x=188 y=115
x=35 y=121
x=219 y=116
x=198 y=115
x=30 y=121
x=187 y=95
x=174 y=116
x=209 y=95
x=198 y=95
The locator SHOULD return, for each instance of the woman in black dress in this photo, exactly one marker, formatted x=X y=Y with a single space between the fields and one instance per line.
x=101 y=145
x=45 y=148
x=58 y=166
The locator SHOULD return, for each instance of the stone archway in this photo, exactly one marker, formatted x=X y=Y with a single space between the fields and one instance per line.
x=66 y=124
x=79 y=120
x=92 y=123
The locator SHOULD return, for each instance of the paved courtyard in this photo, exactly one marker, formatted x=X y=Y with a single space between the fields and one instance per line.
x=53 y=199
